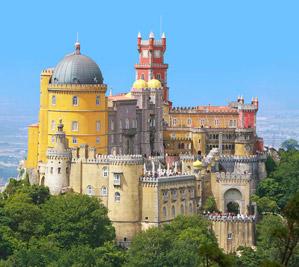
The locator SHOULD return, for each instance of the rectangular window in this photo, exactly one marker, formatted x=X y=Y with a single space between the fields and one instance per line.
x=98 y=140
x=216 y=122
x=189 y=121
x=75 y=101
x=112 y=139
x=53 y=125
x=97 y=100
x=145 y=53
x=116 y=178
x=75 y=126
x=51 y=170
x=202 y=122
x=158 y=76
x=74 y=139
x=112 y=125
x=53 y=100
x=229 y=236
x=98 y=126
x=157 y=53
x=174 y=122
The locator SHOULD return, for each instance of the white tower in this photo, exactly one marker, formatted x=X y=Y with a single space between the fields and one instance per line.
x=58 y=165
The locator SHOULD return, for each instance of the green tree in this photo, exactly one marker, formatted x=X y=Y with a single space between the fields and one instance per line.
x=278 y=236
x=281 y=184
x=210 y=204
x=271 y=165
x=74 y=220
x=24 y=217
x=290 y=144
x=186 y=241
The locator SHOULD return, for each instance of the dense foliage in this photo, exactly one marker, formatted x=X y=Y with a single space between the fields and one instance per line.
x=277 y=198
x=37 y=229
x=186 y=241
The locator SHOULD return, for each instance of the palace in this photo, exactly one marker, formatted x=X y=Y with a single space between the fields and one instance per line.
x=147 y=160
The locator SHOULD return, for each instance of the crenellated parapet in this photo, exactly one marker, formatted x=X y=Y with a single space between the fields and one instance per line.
x=243 y=159
x=152 y=180
x=47 y=72
x=230 y=218
x=233 y=177
x=126 y=159
x=55 y=154
x=187 y=157
x=77 y=87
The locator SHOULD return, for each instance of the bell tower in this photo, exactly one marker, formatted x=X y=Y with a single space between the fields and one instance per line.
x=151 y=61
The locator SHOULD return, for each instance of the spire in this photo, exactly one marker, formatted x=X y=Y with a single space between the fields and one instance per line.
x=163 y=35
x=110 y=94
x=151 y=35
x=139 y=35
x=77 y=45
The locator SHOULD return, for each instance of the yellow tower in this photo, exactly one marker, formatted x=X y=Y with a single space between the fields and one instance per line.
x=74 y=92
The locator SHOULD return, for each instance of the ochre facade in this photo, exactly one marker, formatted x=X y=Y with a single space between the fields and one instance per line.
x=147 y=160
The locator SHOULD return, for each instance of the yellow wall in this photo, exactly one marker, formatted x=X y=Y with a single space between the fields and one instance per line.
x=43 y=115
x=86 y=113
x=31 y=161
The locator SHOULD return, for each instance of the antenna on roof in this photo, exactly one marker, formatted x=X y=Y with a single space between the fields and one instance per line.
x=160 y=25
x=77 y=37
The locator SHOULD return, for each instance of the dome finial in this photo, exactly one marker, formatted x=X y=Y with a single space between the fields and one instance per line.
x=77 y=45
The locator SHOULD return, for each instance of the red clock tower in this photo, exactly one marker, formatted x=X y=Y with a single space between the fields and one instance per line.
x=151 y=61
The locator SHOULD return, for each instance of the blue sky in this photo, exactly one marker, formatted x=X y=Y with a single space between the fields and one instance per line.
x=216 y=50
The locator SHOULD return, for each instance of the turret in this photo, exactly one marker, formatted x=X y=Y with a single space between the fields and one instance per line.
x=163 y=38
x=255 y=102
x=139 y=38
x=58 y=165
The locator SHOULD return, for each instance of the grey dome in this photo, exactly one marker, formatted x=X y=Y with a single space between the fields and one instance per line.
x=77 y=69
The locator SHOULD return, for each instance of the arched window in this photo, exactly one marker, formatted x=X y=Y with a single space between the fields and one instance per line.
x=105 y=171
x=112 y=125
x=182 y=209
x=59 y=170
x=89 y=190
x=53 y=125
x=75 y=126
x=117 y=197
x=53 y=100
x=98 y=126
x=127 y=124
x=104 y=191
x=75 y=101
x=164 y=212
x=173 y=211
x=97 y=100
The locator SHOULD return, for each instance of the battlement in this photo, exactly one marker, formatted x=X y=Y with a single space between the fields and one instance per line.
x=204 y=110
x=54 y=154
x=166 y=179
x=149 y=90
x=243 y=159
x=77 y=87
x=230 y=218
x=48 y=71
x=187 y=157
x=230 y=176
x=111 y=159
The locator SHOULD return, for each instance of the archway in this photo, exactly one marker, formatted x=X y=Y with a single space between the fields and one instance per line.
x=42 y=181
x=233 y=201
x=233 y=207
